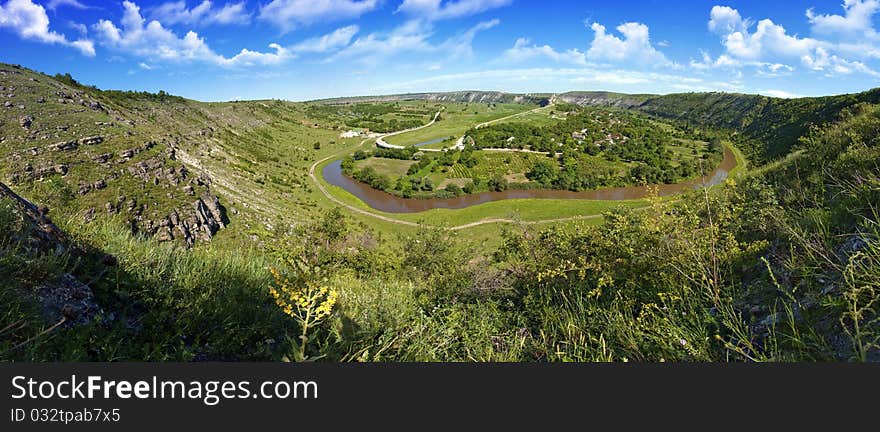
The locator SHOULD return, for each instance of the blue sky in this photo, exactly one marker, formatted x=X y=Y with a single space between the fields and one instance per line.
x=306 y=49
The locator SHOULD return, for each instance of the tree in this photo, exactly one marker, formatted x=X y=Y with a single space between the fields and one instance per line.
x=317 y=145
x=454 y=189
x=498 y=184
x=543 y=172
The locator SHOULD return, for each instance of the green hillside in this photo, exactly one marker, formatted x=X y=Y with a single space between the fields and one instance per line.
x=147 y=227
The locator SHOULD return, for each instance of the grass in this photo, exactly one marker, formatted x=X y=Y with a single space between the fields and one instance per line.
x=389 y=167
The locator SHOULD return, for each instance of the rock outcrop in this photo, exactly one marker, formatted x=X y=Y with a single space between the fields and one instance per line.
x=201 y=222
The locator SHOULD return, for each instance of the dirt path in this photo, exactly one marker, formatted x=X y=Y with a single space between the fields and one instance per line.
x=384 y=218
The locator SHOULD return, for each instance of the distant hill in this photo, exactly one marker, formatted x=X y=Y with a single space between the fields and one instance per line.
x=767 y=127
x=460 y=96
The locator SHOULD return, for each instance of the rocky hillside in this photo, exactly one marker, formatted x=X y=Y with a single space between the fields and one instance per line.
x=616 y=100
x=169 y=166
x=460 y=96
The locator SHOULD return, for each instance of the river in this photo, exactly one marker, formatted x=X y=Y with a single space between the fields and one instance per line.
x=389 y=203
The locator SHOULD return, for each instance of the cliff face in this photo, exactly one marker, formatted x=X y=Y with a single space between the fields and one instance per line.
x=461 y=96
x=603 y=99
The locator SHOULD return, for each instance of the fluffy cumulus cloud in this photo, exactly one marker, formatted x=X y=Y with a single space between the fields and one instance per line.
x=725 y=20
x=30 y=22
x=855 y=23
x=205 y=13
x=437 y=9
x=288 y=15
x=152 y=41
x=772 y=50
x=633 y=47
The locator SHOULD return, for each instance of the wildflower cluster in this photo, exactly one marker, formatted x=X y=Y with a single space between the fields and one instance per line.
x=308 y=302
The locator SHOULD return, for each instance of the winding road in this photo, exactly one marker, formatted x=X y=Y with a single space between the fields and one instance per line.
x=392 y=220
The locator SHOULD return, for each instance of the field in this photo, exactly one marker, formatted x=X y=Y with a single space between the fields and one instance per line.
x=389 y=167
x=457 y=118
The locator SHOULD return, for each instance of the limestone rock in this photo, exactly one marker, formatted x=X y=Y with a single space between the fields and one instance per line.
x=92 y=140
x=65 y=145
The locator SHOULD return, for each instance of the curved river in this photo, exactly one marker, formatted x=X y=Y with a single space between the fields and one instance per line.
x=389 y=203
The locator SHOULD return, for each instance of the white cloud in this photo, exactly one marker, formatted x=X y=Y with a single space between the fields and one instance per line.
x=561 y=80
x=768 y=41
x=523 y=50
x=856 y=23
x=76 y=4
x=290 y=14
x=832 y=65
x=461 y=46
x=771 y=49
x=204 y=13
x=80 y=28
x=725 y=20
x=145 y=66
x=779 y=94
x=437 y=9
x=154 y=42
x=30 y=22
x=723 y=61
x=412 y=36
x=634 y=47
x=329 y=42
x=151 y=39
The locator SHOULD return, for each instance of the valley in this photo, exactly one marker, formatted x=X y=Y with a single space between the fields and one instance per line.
x=453 y=226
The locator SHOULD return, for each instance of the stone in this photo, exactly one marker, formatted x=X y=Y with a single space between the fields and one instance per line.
x=100 y=184
x=92 y=140
x=102 y=158
x=69 y=299
x=65 y=145
x=164 y=234
x=26 y=122
x=7 y=104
